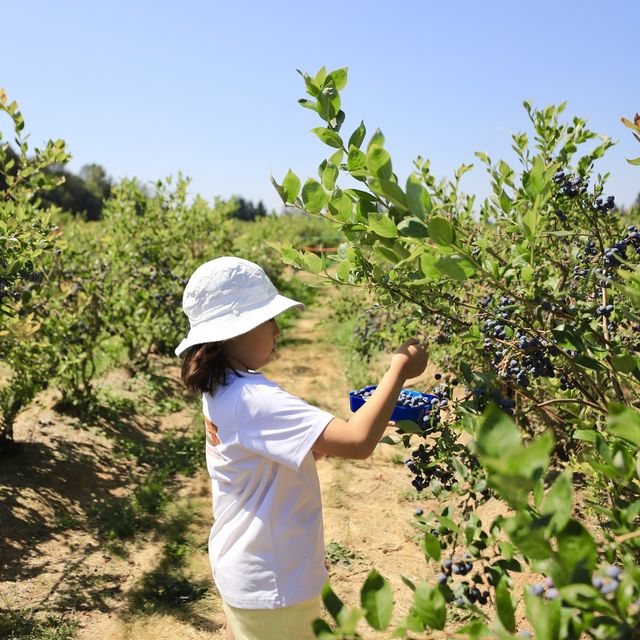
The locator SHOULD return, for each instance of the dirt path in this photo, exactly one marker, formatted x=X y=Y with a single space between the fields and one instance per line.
x=50 y=562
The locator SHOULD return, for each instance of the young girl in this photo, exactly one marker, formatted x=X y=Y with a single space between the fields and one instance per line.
x=266 y=545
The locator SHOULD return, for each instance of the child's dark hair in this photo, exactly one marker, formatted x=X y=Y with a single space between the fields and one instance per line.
x=204 y=367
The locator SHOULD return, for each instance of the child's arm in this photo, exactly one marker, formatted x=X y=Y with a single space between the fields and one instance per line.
x=358 y=437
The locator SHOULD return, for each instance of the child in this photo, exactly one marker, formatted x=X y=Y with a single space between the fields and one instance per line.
x=266 y=544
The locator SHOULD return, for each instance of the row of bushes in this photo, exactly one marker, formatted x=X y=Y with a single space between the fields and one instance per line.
x=77 y=297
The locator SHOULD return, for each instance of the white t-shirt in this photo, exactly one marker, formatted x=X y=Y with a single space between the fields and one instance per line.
x=267 y=543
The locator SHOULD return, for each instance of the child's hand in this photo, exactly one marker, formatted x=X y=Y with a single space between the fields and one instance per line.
x=411 y=357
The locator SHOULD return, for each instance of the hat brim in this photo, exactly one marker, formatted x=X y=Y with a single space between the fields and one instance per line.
x=232 y=326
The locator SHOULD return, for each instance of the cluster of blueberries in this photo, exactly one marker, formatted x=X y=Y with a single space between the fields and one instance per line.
x=462 y=568
x=545 y=588
x=605 y=584
x=423 y=474
x=421 y=456
x=608 y=583
x=605 y=310
x=570 y=186
x=605 y=206
x=614 y=255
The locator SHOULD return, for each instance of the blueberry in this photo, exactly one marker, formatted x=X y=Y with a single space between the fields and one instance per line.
x=547 y=583
x=536 y=589
x=610 y=587
x=442 y=578
x=437 y=376
x=613 y=572
x=419 y=512
x=552 y=593
x=447 y=564
x=459 y=602
x=597 y=582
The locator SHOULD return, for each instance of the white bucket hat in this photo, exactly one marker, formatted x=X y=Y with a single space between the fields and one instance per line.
x=227 y=297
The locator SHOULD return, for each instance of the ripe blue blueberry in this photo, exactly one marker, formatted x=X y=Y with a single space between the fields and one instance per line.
x=552 y=593
x=536 y=589
x=610 y=587
x=613 y=572
x=419 y=512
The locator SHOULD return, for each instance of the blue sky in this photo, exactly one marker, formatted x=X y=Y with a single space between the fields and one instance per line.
x=148 y=89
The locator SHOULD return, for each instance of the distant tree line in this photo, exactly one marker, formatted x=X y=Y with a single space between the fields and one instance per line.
x=83 y=194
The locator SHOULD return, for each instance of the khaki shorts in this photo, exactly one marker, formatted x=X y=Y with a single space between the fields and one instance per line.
x=284 y=623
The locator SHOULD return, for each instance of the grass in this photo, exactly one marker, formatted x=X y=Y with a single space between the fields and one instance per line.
x=23 y=625
x=169 y=586
x=336 y=553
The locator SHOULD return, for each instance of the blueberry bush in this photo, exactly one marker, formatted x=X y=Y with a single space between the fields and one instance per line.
x=78 y=297
x=26 y=235
x=536 y=295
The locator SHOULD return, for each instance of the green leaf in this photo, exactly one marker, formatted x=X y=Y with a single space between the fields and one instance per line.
x=291 y=186
x=634 y=161
x=291 y=256
x=376 y=139
x=417 y=197
x=312 y=262
x=624 y=423
x=339 y=77
x=376 y=598
x=379 y=162
x=450 y=267
x=389 y=255
x=413 y=228
x=322 y=630
x=528 y=535
x=534 y=180
x=504 y=605
x=474 y=630
x=313 y=196
x=312 y=88
x=505 y=202
x=382 y=225
x=498 y=435
x=357 y=137
x=329 y=137
x=558 y=502
x=430 y=606
x=336 y=157
x=431 y=546
x=544 y=616
x=625 y=364
x=341 y=205
x=331 y=601
x=576 y=555
x=389 y=190
x=587 y=362
x=280 y=190
x=357 y=162
x=329 y=176
x=441 y=231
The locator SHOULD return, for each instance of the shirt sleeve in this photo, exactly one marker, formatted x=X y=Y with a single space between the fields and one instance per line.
x=277 y=424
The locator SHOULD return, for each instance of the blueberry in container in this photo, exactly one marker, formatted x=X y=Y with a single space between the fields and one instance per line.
x=410 y=405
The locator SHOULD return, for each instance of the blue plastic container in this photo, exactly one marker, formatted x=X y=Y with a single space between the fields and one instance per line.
x=400 y=412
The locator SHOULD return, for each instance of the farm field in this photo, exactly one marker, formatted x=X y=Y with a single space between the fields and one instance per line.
x=506 y=507
x=53 y=561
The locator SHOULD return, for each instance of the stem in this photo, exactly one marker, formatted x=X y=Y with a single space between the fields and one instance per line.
x=575 y=400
